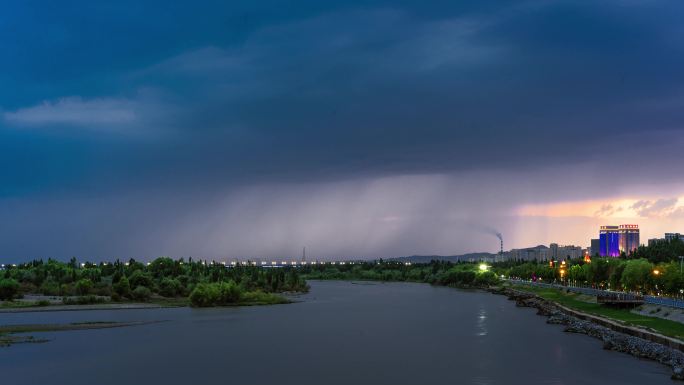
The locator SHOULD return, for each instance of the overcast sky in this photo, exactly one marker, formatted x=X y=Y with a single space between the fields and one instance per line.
x=358 y=128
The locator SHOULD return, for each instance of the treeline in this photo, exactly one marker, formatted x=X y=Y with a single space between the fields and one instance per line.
x=133 y=280
x=435 y=272
x=649 y=269
x=660 y=252
x=607 y=273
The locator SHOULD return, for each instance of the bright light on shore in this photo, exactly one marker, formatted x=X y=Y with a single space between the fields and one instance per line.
x=483 y=267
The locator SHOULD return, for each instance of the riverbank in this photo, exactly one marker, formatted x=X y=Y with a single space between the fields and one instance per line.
x=99 y=306
x=8 y=337
x=615 y=335
x=587 y=304
x=57 y=303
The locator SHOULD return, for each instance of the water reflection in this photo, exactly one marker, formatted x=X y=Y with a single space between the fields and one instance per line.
x=482 y=322
x=339 y=334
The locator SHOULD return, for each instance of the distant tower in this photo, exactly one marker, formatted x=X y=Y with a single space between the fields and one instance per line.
x=304 y=254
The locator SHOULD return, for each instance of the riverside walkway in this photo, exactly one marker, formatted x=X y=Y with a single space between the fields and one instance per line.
x=649 y=299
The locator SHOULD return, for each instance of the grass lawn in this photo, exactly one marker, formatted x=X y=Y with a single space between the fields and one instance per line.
x=570 y=300
x=22 y=304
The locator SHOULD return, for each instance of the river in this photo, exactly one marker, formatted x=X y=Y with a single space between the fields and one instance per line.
x=340 y=333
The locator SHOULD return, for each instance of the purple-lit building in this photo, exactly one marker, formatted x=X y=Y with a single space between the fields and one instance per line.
x=617 y=239
x=609 y=239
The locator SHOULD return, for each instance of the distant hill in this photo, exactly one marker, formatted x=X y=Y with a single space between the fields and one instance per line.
x=449 y=258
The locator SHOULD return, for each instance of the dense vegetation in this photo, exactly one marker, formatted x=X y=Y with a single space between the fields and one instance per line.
x=162 y=278
x=608 y=273
x=435 y=272
x=650 y=269
x=660 y=252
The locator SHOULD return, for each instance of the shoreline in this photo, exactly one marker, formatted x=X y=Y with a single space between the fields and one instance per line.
x=99 y=306
x=638 y=342
x=16 y=334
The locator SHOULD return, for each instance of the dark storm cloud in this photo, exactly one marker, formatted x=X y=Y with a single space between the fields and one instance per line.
x=202 y=98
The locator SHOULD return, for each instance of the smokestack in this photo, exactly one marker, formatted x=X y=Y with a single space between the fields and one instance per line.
x=494 y=232
x=498 y=235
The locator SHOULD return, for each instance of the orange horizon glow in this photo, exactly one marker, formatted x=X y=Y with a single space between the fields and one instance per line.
x=618 y=208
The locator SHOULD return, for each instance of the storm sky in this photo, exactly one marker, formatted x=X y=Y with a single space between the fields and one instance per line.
x=238 y=129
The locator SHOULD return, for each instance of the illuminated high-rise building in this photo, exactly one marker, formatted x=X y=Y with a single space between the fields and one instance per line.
x=609 y=239
x=614 y=240
x=629 y=238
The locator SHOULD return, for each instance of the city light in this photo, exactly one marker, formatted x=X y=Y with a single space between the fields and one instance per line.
x=483 y=267
x=656 y=272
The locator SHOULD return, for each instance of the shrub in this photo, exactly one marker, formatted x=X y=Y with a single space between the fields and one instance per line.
x=170 y=287
x=259 y=297
x=82 y=300
x=123 y=287
x=102 y=289
x=204 y=294
x=141 y=293
x=214 y=294
x=9 y=288
x=138 y=278
x=83 y=286
x=66 y=289
x=486 y=278
x=229 y=292
x=49 y=287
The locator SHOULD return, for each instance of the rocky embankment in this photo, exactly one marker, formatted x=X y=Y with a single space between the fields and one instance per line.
x=612 y=339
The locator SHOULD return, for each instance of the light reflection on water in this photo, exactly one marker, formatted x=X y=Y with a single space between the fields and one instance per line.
x=482 y=322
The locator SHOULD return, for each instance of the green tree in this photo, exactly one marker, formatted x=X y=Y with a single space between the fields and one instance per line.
x=123 y=287
x=84 y=286
x=670 y=279
x=637 y=273
x=576 y=274
x=170 y=287
x=140 y=278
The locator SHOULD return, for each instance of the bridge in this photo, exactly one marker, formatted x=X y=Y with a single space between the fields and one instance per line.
x=294 y=263
x=619 y=299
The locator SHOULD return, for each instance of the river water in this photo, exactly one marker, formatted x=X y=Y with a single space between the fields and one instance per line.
x=340 y=333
